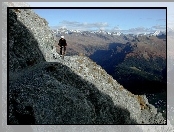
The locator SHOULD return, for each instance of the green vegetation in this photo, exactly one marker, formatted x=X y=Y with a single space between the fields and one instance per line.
x=153 y=65
x=140 y=75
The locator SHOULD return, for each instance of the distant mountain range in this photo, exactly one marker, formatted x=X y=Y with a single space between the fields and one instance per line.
x=67 y=31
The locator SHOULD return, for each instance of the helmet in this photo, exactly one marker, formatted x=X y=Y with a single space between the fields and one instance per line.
x=62 y=36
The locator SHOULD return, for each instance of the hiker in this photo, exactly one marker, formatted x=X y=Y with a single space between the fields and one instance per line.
x=62 y=43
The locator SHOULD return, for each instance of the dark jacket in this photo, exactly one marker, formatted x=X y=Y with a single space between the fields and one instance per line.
x=62 y=42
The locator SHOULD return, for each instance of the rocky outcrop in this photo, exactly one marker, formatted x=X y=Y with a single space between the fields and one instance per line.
x=44 y=89
x=30 y=39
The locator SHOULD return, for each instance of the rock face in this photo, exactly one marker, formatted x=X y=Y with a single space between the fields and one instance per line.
x=48 y=90
x=30 y=39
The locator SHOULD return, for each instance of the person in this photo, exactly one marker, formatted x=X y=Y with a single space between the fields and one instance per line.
x=62 y=43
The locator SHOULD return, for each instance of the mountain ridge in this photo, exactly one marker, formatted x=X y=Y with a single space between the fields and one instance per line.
x=59 y=31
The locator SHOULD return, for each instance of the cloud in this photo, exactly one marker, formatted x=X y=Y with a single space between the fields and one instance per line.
x=116 y=28
x=139 y=30
x=161 y=20
x=84 y=25
x=159 y=27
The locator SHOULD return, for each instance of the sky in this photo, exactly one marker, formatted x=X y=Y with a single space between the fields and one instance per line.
x=119 y=20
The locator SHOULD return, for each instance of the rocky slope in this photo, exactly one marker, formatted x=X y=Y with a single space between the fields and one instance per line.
x=29 y=42
x=44 y=89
